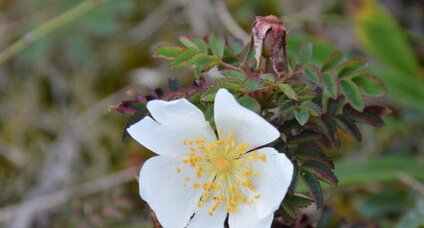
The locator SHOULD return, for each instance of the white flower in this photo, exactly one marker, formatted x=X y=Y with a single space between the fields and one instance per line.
x=199 y=173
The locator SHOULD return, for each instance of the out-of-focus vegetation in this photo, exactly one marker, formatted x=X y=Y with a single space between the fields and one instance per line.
x=62 y=161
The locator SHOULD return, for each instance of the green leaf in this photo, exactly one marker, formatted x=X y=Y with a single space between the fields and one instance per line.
x=234 y=74
x=185 y=57
x=352 y=94
x=314 y=154
x=204 y=63
x=252 y=85
x=328 y=131
x=235 y=45
x=305 y=54
x=332 y=61
x=288 y=91
x=167 y=51
x=187 y=42
x=209 y=94
x=209 y=114
x=320 y=170
x=313 y=108
x=352 y=66
x=297 y=200
x=250 y=103
x=370 y=85
x=333 y=106
x=349 y=127
x=301 y=114
x=330 y=84
x=304 y=137
x=267 y=78
x=217 y=45
x=311 y=72
x=201 y=44
x=371 y=115
x=314 y=188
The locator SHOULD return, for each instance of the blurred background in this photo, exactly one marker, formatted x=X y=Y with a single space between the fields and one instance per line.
x=64 y=63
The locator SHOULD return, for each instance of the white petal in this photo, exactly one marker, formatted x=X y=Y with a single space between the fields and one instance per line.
x=166 y=137
x=171 y=111
x=247 y=126
x=246 y=218
x=203 y=219
x=162 y=188
x=275 y=176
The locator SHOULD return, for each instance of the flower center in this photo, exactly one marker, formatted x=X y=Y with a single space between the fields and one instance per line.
x=224 y=171
x=222 y=165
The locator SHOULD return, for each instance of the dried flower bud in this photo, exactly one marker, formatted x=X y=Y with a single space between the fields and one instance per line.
x=268 y=38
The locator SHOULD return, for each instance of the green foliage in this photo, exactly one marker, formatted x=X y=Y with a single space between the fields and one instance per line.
x=217 y=45
x=353 y=94
x=288 y=91
x=330 y=84
x=370 y=85
x=292 y=203
x=352 y=66
x=310 y=103
x=167 y=51
x=301 y=114
x=250 y=103
x=69 y=66
x=314 y=188
x=332 y=61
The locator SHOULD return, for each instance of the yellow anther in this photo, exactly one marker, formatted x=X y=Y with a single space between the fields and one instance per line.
x=200 y=203
x=228 y=169
x=248 y=173
x=262 y=157
x=257 y=196
x=206 y=186
x=233 y=203
x=200 y=141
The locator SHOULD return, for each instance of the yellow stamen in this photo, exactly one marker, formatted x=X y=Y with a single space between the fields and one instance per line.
x=224 y=170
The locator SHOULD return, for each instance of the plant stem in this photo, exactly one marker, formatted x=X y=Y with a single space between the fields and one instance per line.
x=48 y=27
x=229 y=66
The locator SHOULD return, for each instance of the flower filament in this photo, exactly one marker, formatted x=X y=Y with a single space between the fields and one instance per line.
x=224 y=171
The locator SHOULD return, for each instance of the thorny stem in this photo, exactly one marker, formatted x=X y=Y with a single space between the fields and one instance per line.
x=48 y=27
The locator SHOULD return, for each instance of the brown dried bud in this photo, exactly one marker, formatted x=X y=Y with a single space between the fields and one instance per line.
x=268 y=38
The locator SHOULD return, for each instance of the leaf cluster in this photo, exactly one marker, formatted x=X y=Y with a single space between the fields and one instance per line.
x=309 y=104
